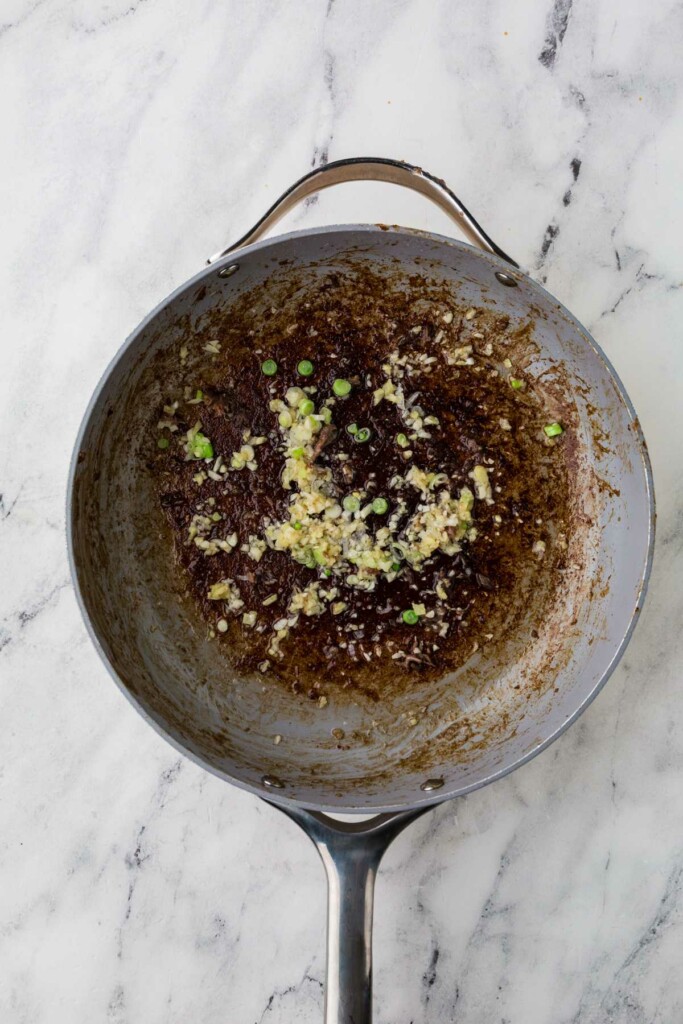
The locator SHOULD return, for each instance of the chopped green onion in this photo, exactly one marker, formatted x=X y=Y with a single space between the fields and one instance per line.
x=163 y=442
x=327 y=572
x=297 y=453
x=326 y=414
x=516 y=383
x=285 y=419
x=297 y=525
x=553 y=430
x=362 y=435
x=351 y=503
x=402 y=441
x=395 y=566
x=201 y=447
x=309 y=561
x=306 y=407
x=410 y=617
x=305 y=368
x=352 y=428
x=341 y=387
x=380 y=506
x=269 y=367
x=216 y=516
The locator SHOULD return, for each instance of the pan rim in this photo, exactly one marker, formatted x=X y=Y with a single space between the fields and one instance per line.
x=424 y=800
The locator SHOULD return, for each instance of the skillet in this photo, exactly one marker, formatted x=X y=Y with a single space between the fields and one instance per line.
x=500 y=709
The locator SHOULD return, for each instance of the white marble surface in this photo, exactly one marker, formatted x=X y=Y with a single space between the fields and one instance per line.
x=139 y=136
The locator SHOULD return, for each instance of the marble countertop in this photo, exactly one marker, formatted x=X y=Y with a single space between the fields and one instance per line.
x=139 y=136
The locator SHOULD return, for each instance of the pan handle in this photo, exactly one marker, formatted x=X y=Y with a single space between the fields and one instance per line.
x=351 y=853
x=395 y=172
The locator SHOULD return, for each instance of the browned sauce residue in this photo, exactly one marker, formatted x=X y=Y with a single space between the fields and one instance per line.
x=347 y=327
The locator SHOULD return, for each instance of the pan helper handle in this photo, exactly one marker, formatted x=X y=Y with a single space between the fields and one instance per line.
x=351 y=853
x=363 y=168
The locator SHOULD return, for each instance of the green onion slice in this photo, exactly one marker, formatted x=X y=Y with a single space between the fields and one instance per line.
x=306 y=407
x=341 y=387
x=363 y=435
x=269 y=367
x=553 y=430
x=410 y=617
x=201 y=447
x=305 y=368
x=380 y=506
x=351 y=503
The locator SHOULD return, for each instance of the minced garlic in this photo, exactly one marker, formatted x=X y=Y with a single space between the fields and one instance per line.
x=461 y=356
x=320 y=532
x=438 y=525
x=482 y=484
x=307 y=601
x=243 y=457
x=228 y=592
x=200 y=527
x=255 y=547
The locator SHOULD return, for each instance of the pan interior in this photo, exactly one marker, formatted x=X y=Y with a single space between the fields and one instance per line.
x=503 y=703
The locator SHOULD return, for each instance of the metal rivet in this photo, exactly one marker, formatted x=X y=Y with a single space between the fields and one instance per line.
x=506 y=279
x=272 y=782
x=229 y=271
x=431 y=784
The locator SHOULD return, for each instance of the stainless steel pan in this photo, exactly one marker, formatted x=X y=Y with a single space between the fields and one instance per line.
x=501 y=709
